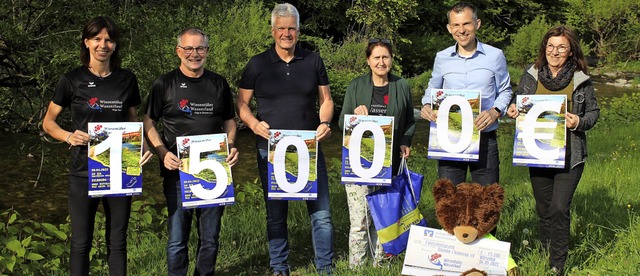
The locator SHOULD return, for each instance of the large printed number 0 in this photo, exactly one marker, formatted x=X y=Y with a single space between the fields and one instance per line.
x=442 y=131
x=113 y=143
x=379 y=150
x=196 y=167
x=279 y=164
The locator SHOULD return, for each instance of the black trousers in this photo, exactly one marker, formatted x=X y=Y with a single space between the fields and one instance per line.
x=553 y=190
x=83 y=213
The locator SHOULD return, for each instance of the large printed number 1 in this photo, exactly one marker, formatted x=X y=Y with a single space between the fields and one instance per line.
x=279 y=164
x=379 y=150
x=442 y=131
x=196 y=167
x=113 y=143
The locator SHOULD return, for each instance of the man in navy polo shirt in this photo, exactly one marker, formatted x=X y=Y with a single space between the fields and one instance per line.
x=287 y=82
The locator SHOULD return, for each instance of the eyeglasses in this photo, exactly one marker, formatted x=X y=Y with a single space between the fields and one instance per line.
x=188 y=50
x=561 y=48
x=379 y=40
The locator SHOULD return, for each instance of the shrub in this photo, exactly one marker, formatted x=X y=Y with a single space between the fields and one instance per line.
x=524 y=43
x=418 y=85
x=620 y=110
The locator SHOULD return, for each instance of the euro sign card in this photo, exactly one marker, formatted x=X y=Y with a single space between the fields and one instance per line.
x=453 y=136
x=366 y=150
x=436 y=252
x=114 y=156
x=541 y=131
x=205 y=175
x=291 y=166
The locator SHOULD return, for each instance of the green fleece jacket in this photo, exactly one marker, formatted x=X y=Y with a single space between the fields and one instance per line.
x=360 y=92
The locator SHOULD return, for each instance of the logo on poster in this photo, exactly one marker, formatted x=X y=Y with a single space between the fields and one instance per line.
x=428 y=233
x=435 y=260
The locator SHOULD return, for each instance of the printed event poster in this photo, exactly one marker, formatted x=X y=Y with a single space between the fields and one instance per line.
x=436 y=252
x=205 y=176
x=366 y=150
x=453 y=136
x=292 y=165
x=540 y=139
x=114 y=155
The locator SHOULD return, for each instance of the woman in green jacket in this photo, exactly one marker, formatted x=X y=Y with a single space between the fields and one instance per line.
x=376 y=93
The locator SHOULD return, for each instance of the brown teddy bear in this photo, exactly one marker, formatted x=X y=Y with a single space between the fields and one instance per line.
x=468 y=211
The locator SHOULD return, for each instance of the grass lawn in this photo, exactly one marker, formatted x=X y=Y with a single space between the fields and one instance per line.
x=604 y=232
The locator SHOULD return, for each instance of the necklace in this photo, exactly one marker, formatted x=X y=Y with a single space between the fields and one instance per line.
x=98 y=75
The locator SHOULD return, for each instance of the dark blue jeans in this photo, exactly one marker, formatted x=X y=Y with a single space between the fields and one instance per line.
x=321 y=226
x=486 y=171
x=82 y=210
x=208 y=221
x=553 y=190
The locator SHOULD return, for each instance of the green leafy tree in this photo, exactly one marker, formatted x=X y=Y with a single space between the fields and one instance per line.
x=613 y=27
x=381 y=17
x=39 y=41
x=526 y=41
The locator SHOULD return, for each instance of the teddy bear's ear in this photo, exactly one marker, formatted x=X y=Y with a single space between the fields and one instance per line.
x=494 y=193
x=443 y=188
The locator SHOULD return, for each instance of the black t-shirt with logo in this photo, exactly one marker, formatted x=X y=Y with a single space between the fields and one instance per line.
x=379 y=101
x=189 y=106
x=95 y=99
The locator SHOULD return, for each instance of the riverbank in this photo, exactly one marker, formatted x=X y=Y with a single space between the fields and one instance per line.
x=604 y=216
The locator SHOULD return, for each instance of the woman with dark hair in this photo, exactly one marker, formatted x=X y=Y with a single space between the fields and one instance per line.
x=377 y=92
x=560 y=68
x=99 y=80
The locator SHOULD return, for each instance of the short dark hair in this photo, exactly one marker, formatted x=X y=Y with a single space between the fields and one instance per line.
x=93 y=28
x=579 y=61
x=460 y=7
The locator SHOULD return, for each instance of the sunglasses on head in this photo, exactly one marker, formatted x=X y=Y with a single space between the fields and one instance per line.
x=379 y=40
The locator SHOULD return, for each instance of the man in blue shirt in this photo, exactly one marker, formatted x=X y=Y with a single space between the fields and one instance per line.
x=472 y=65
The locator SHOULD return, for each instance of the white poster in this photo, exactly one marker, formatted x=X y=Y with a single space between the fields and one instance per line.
x=205 y=174
x=436 y=252
x=114 y=153
x=366 y=150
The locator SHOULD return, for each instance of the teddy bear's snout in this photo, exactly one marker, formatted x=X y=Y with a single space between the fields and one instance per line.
x=465 y=234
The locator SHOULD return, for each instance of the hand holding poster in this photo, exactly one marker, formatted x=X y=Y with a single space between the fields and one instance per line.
x=205 y=175
x=436 y=252
x=540 y=139
x=366 y=150
x=114 y=153
x=292 y=165
x=453 y=136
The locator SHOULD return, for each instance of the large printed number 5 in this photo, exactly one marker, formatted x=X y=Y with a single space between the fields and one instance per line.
x=222 y=180
x=379 y=150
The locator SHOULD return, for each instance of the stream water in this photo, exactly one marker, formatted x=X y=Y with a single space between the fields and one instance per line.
x=37 y=187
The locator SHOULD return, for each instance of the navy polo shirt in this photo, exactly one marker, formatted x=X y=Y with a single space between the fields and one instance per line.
x=286 y=93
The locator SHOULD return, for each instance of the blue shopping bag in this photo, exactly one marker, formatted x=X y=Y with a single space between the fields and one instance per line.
x=395 y=208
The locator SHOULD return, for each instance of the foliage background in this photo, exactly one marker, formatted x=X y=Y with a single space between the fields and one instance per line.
x=39 y=42
x=39 y=39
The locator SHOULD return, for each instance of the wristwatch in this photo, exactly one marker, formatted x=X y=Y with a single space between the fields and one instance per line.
x=498 y=110
x=327 y=123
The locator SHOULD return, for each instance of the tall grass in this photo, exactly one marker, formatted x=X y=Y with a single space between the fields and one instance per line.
x=605 y=226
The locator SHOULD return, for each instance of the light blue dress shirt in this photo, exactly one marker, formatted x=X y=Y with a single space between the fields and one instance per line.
x=486 y=70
